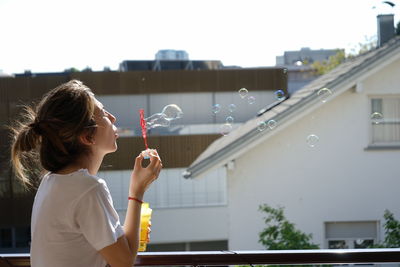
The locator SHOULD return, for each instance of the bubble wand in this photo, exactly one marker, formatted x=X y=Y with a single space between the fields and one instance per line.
x=143 y=125
x=145 y=214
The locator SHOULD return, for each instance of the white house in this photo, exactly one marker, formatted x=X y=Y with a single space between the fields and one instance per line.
x=336 y=188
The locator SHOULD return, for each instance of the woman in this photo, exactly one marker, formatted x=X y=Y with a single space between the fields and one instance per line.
x=74 y=222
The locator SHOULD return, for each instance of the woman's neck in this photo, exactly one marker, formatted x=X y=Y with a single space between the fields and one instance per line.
x=91 y=163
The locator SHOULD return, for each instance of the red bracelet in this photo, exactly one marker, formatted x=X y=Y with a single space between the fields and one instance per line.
x=137 y=200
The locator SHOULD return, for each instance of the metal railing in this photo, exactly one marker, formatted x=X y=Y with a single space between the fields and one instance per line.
x=259 y=257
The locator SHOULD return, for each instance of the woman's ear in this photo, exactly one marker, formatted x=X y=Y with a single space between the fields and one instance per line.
x=86 y=139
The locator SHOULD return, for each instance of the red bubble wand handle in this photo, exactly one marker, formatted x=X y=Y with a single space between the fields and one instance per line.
x=143 y=125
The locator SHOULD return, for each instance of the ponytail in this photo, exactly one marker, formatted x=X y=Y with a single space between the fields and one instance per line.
x=24 y=144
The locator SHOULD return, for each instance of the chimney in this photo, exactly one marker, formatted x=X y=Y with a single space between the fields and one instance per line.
x=385 y=28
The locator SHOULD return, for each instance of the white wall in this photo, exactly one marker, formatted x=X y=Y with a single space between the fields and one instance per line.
x=184 y=210
x=385 y=81
x=337 y=180
x=189 y=224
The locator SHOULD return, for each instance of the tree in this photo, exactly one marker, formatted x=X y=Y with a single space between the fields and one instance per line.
x=280 y=234
x=392 y=232
x=71 y=70
x=363 y=47
x=87 y=69
x=322 y=67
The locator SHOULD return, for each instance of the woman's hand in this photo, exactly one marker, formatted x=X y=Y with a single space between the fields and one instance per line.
x=142 y=177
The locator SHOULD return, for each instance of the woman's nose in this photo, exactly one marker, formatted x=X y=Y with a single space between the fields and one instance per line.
x=112 y=118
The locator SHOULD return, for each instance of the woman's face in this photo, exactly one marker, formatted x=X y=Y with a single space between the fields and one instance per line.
x=106 y=133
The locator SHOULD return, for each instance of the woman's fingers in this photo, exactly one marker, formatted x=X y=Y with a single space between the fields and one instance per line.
x=154 y=159
x=138 y=160
x=158 y=166
x=159 y=169
x=153 y=169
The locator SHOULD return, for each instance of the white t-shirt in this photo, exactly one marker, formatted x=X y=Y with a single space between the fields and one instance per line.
x=72 y=219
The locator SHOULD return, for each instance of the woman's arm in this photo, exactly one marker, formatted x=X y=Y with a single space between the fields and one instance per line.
x=123 y=252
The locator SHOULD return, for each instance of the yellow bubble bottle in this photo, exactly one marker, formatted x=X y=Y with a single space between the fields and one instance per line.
x=145 y=223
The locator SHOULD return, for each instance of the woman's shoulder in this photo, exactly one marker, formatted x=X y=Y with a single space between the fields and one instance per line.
x=81 y=180
x=83 y=176
x=90 y=185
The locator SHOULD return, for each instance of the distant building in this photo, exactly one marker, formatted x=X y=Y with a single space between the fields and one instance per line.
x=158 y=65
x=170 y=60
x=305 y=55
x=169 y=54
x=299 y=76
x=297 y=62
x=3 y=74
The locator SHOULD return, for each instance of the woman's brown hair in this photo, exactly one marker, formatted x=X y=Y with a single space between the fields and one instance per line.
x=50 y=131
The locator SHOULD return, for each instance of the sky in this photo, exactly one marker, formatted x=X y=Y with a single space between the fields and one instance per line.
x=53 y=35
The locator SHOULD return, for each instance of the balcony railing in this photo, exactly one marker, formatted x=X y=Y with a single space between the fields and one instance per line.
x=288 y=257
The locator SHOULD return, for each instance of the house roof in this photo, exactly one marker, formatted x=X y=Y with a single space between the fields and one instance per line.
x=347 y=75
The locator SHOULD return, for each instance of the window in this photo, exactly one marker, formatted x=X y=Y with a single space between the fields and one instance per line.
x=5 y=238
x=337 y=244
x=385 y=121
x=22 y=237
x=15 y=239
x=363 y=243
x=350 y=243
x=171 y=190
x=189 y=246
x=351 y=235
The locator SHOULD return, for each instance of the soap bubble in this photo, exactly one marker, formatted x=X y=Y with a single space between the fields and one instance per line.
x=232 y=107
x=324 y=94
x=172 y=112
x=229 y=119
x=376 y=117
x=261 y=126
x=251 y=100
x=272 y=124
x=157 y=120
x=216 y=108
x=243 y=92
x=312 y=140
x=280 y=94
x=225 y=129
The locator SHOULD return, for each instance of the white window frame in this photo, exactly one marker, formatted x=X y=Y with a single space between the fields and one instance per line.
x=349 y=241
x=372 y=143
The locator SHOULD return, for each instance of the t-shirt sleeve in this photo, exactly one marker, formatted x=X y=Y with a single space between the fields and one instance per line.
x=97 y=219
